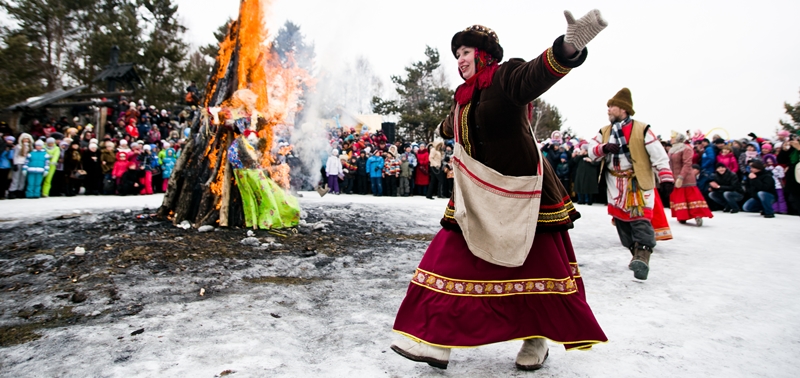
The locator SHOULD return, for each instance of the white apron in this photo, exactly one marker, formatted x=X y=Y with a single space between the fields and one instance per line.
x=496 y=213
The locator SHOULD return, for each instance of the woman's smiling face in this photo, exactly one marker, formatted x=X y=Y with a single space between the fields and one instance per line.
x=466 y=61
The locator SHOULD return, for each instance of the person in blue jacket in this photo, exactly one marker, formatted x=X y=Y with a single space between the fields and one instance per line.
x=36 y=165
x=375 y=169
x=708 y=160
x=6 y=163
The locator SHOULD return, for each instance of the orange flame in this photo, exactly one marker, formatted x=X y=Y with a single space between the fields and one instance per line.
x=257 y=68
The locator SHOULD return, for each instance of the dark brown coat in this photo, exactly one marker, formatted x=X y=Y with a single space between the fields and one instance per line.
x=498 y=129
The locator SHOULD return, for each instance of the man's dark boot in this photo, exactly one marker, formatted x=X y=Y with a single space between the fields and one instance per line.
x=641 y=261
x=633 y=256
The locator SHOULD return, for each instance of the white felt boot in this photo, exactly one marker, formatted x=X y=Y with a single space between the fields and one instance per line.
x=421 y=352
x=532 y=354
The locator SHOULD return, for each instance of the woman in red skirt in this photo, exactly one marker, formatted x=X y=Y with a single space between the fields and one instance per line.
x=458 y=300
x=686 y=201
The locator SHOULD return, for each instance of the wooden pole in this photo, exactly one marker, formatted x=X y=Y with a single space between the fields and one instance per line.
x=101 y=127
x=226 y=195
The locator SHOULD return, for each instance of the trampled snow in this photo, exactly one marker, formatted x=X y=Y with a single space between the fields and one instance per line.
x=721 y=301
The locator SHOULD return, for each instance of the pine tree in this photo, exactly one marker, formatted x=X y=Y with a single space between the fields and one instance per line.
x=546 y=119
x=793 y=111
x=424 y=98
x=20 y=77
x=162 y=53
x=103 y=24
x=290 y=45
x=197 y=69
x=48 y=26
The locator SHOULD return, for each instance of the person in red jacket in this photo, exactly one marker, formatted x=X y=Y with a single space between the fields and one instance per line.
x=131 y=129
x=120 y=166
x=422 y=178
x=727 y=157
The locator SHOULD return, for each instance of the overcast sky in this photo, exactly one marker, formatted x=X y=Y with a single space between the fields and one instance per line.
x=689 y=64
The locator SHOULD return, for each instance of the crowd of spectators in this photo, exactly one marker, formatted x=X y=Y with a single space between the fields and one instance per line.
x=141 y=144
x=361 y=162
x=752 y=174
x=135 y=155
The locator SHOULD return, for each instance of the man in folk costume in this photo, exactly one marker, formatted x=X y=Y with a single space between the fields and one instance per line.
x=632 y=157
x=502 y=267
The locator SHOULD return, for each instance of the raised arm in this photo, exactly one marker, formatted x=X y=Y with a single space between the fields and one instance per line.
x=524 y=82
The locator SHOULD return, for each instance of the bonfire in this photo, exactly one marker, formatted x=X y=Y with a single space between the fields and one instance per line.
x=231 y=173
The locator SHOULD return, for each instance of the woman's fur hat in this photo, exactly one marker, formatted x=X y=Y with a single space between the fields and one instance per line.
x=478 y=36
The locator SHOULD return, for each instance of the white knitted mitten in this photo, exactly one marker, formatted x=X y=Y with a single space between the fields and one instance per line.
x=584 y=29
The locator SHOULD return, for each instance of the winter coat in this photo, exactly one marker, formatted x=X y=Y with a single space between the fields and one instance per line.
x=378 y=138
x=361 y=167
x=744 y=162
x=168 y=163
x=132 y=131
x=762 y=183
x=405 y=169
x=20 y=155
x=109 y=159
x=129 y=180
x=562 y=171
x=153 y=136
x=350 y=166
x=586 y=176
x=435 y=156
x=680 y=162
x=553 y=156
x=147 y=161
x=498 y=128
x=38 y=161
x=423 y=168
x=6 y=158
x=72 y=161
x=702 y=181
x=730 y=161
x=120 y=166
x=92 y=164
x=707 y=160
x=391 y=166
x=728 y=182
x=412 y=159
x=790 y=159
x=375 y=166
x=144 y=129
x=333 y=166
x=777 y=174
x=55 y=154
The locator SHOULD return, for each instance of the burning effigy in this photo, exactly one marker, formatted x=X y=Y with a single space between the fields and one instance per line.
x=231 y=173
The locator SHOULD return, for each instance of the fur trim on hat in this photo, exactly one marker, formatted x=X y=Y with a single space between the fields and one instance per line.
x=622 y=100
x=480 y=37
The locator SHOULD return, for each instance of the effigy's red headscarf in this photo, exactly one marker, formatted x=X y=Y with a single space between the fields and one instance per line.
x=485 y=67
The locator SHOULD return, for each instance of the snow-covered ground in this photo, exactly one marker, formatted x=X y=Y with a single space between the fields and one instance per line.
x=720 y=302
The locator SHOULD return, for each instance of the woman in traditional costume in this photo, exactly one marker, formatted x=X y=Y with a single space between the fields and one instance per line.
x=686 y=200
x=457 y=299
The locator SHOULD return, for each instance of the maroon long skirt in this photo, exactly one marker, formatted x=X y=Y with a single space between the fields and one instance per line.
x=458 y=300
